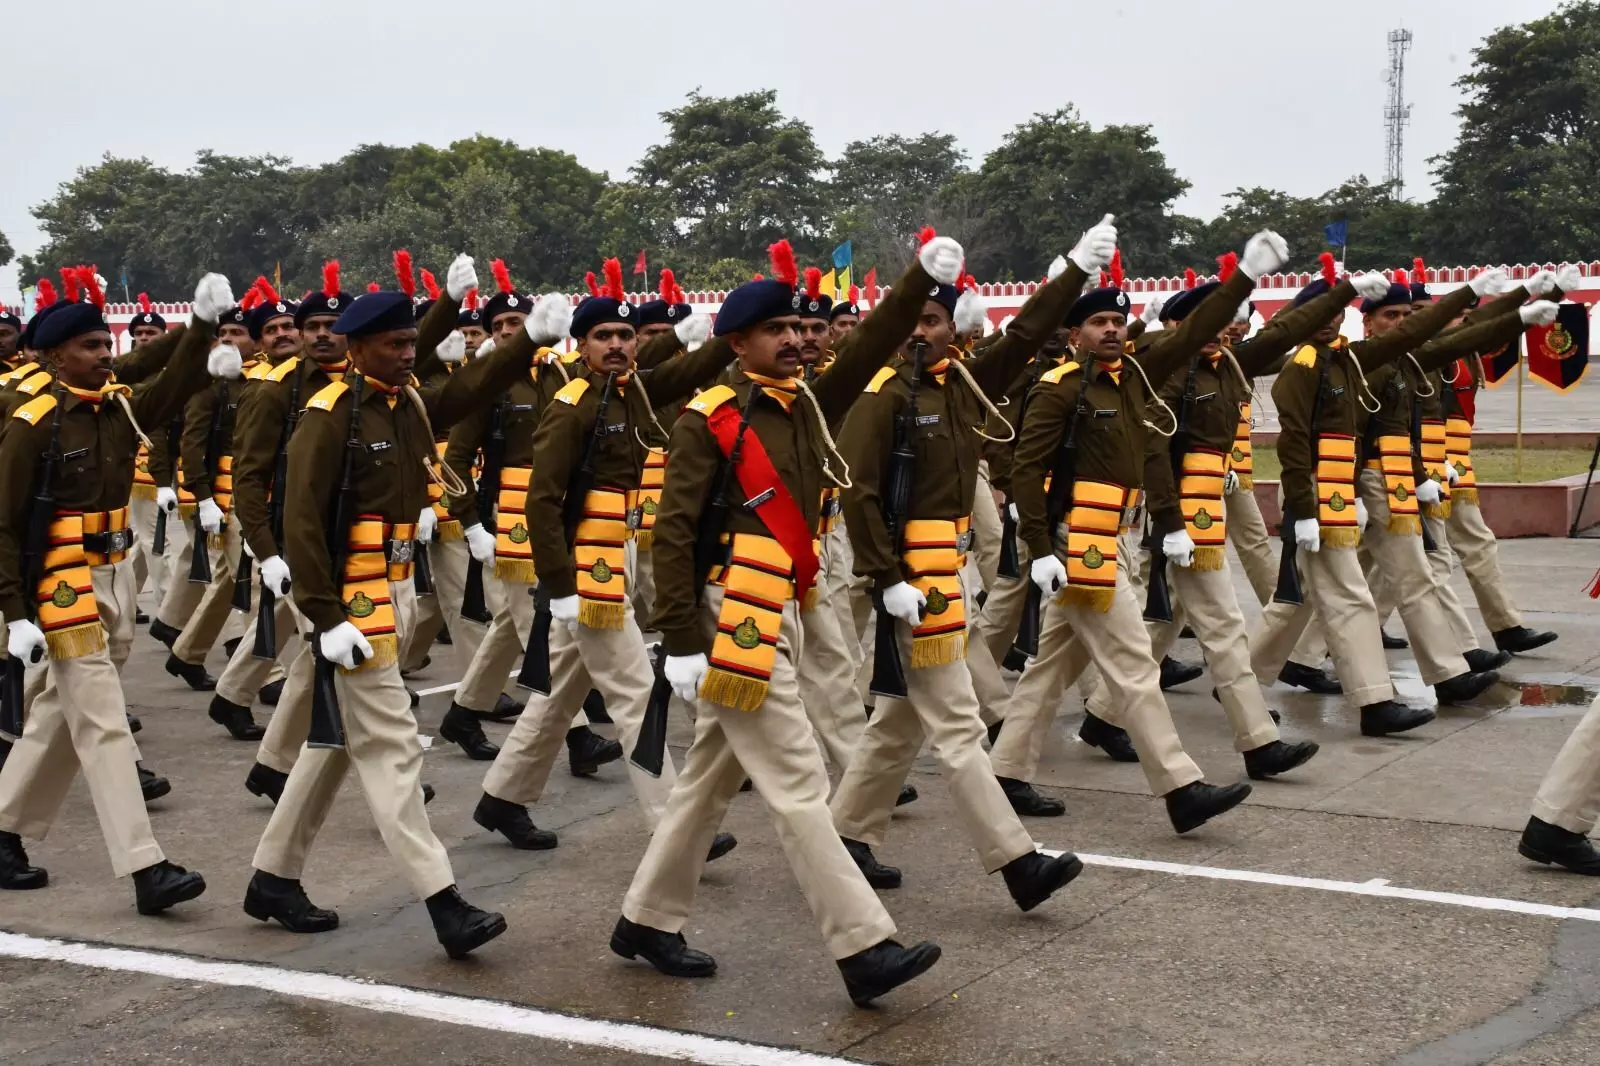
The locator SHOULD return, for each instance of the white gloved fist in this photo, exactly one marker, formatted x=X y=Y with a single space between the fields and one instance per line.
x=549 y=320
x=167 y=499
x=1370 y=286
x=971 y=313
x=684 y=673
x=25 y=642
x=485 y=348
x=212 y=297
x=1242 y=312
x=1489 y=283
x=1152 y=310
x=1095 y=248
x=1057 y=267
x=1451 y=473
x=461 y=276
x=1538 y=313
x=1568 y=278
x=453 y=349
x=1230 y=483
x=427 y=525
x=1427 y=491
x=904 y=602
x=564 y=609
x=943 y=259
x=480 y=542
x=1263 y=253
x=1049 y=573
x=344 y=644
x=210 y=516
x=1541 y=283
x=693 y=330
x=1361 y=514
x=1016 y=515
x=1179 y=548
x=275 y=575
x=224 y=361
x=1307 y=534
x=244 y=546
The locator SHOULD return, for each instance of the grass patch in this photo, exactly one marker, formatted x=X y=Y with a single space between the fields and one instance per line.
x=1495 y=463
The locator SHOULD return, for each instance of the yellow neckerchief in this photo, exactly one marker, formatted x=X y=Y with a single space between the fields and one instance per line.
x=784 y=390
x=93 y=397
x=938 y=370
x=1114 y=368
x=333 y=370
x=390 y=393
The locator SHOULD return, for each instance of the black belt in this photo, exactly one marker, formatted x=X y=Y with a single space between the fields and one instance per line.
x=113 y=543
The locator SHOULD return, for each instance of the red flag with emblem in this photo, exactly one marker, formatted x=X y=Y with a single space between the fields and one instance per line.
x=639 y=264
x=1558 y=354
x=1497 y=366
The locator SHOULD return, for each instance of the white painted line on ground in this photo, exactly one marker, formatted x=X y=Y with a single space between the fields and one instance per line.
x=492 y=1015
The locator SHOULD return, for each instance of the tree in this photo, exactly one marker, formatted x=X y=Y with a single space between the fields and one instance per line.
x=886 y=188
x=101 y=216
x=6 y=251
x=1519 y=184
x=1384 y=231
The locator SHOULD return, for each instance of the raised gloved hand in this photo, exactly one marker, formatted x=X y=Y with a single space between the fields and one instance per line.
x=1491 y=282
x=1057 y=267
x=1361 y=514
x=564 y=609
x=1096 y=247
x=1451 y=473
x=244 y=546
x=1427 y=491
x=684 y=673
x=1370 y=286
x=480 y=542
x=1179 y=548
x=210 y=516
x=1568 y=278
x=904 y=602
x=25 y=642
x=1538 y=313
x=453 y=349
x=1230 y=483
x=427 y=525
x=1541 y=283
x=693 y=330
x=1049 y=573
x=485 y=348
x=1307 y=534
x=461 y=276
x=1151 y=312
x=550 y=319
x=212 y=297
x=971 y=313
x=166 y=499
x=344 y=644
x=1263 y=253
x=224 y=361
x=1242 y=312
x=943 y=259
x=275 y=575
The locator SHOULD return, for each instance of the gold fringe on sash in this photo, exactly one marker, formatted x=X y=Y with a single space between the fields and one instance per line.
x=931 y=551
x=1241 y=460
x=757 y=581
x=513 y=544
x=1200 y=498
x=1336 y=491
x=448 y=529
x=600 y=554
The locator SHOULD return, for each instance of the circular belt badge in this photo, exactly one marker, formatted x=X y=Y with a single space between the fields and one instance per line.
x=600 y=571
x=1401 y=494
x=1203 y=520
x=1238 y=455
x=747 y=634
x=1336 y=503
x=518 y=534
x=1093 y=559
x=64 y=595
x=938 y=602
x=361 y=605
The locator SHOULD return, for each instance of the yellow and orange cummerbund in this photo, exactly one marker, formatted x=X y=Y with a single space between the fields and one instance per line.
x=599 y=553
x=446 y=526
x=1458 y=453
x=647 y=499
x=1241 y=459
x=1200 y=498
x=144 y=485
x=513 y=544
x=1394 y=461
x=933 y=551
x=377 y=553
x=1100 y=511
x=1336 y=491
x=69 y=616
x=1435 y=463
x=757 y=581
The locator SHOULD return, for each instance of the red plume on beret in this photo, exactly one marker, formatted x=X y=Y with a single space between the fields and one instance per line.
x=758 y=277
x=430 y=285
x=612 y=268
x=69 y=284
x=1419 y=272
x=265 y=293
x=783 y=264
x=1105 y=279
x=1190 y=279
x=373 y=286
x=91 y=286
x=144 y=302
x=926 y=234
x=670 y=292
x=855 y=294
x=44 y=295
x=813 y=283
x=1401 y=278
x=469 y=301
x=594 y=285
x=502 y=275
x=1227 y=263
x=964 y=283
x=252 y=296
x=330 y=278
x=404 y=272
x=1329 y=274
x=1117 y=276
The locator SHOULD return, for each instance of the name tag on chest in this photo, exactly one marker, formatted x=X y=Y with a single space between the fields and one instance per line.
x=76 y=453
x=1338 y=390
x=1107 y=412
x=927 y=420
x=1204 y=398
x=379 y=446
x=521 y=407
x=760 y=498
x=620 y=427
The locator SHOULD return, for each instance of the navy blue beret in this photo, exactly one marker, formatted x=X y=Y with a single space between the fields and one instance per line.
x=64 y=322
x=849 y=308
x=821 y=307
x=262 y=313
x=600 y=310
x=755 y=302
x=1182 y=305
x=9 y=319
x=1398 y=295
x=661 y=313
x=375 y=312
x=31 y=330
x=1315 y=288
x=466 y=318
x=145 y=318
x=505 y=303
x=320 y=303
x=1419 y=293
x=1096 y=301
x=946 y=297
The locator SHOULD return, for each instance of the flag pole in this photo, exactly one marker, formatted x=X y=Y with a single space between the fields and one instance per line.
x=1520 y=359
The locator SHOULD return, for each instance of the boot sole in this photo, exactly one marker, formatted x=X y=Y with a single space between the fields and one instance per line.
x=1113 y=756
x=1398 y=729
x=481 y=936
x=1549 y=860
x=1048 y=810
x=28 y=885
x=863 y=997
x=241 y=732
x=157 y=791
x=621 y=947
x=1529 y=646
x=1472 y=692
x=1264 y=775
x=206 y=685
x=260 y=790
x=193 y=890
x=1069 y=874
x=455 y=738
x=1190 y=824
x=259 y=911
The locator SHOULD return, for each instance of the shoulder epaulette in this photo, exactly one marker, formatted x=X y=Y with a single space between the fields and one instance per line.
x=31 y=385
x=1056 y=373
x=711 y=399
x=571 y=357
x=35 y=409
x=282 y=370
x=258 y=371
x=573 y=391
x=327 y=396
x=1306 y=356
x=18 y=374
x=880 y=378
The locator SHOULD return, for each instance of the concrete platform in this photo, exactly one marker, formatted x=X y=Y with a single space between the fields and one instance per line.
x=1296 y=930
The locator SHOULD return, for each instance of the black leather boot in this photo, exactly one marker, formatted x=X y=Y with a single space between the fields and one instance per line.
x=1174 y=673
x=1519 y=639
x=1026 y=800
x=667 y=952
x=1382 y=719
x=1310 y=679
x=153 y=786
x=231 y=647
x=140 y=618
x=1464 y=687
x=166 y=634
x=15 y=873
x=1113 y=740
x=1481 y=659
x=505 y=709
x=235 y=719
x=193 y=675
x=1016 y=660
x=166 y=884
x=134 y=725
x=1033 y=878
x=594 y=708
x=884 y=967
x=511 y=821
x=270 y=693
x=1272 y=759
x=284 y=900
x=994 y=732
x=1546 y=843
x=587 y=751
x=908 y=794
x=462 y=728
x=877 y=874
x=460 y=926
x=1197 y=803
x=721 y=844
x=263 y=780
x=443 y=637
x=1393 y=643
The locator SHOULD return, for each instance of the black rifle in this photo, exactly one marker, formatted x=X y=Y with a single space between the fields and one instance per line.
x=1288 y=590
x=649 y=751
x=535 y=672
x=1428 y=542
x=158 y=543
x=41 y=513
x=266 y=645
x=474 y=608
x=421 y=570
x=1158 y=603
x=327 y=728
x=1057 y=505
x=888 y=671
x=200 y=556
x=1010 y=563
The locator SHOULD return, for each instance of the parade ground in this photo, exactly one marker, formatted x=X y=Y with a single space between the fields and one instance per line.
x=1371 y=909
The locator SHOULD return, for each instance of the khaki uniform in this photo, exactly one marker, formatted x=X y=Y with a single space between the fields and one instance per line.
x=828 y=666
x=1569 y=795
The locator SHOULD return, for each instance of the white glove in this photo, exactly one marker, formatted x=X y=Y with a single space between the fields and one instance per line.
x=971 y=313
x=225 y=362
x=1230 y=483
x=1152 y=310
x=461 y=276
x=427 y=525
x=485 y=348
x=1361 y=515
x=453 y=348
x=1427 y=491
x=693 y=330
x=1057 y=267
x=1489 y=283
x=244 y=546
x=1242 y=313
x=1049 y=573
x=480 y=542
x=943 y=259
x=1541 y=283
x=210 y=516
x=1538 y=313
x=1263 y=253
x=684 y=673
x=904 y=602
x=1016 y=516
x=1370 y=286
x=275 y=575
x=550 y=319
x=564 y=609
x=25 y=642
x=1307 y=534
x=1451 y=473
x=1096 y=247
x=212 y=297
x=166 y=499
x=1568 y=278
x=1179 y=548
x=344 y=644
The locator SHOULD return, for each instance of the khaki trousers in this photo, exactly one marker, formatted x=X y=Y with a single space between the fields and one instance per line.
x=941 y=708
x=643 y=576
x=147 y=565
x=427 y=618
x=182 y=596
x=773 y=746
x=1405 y=567
x=996 y=626
x=381 y=743
x=214 y=611
x=450 y=559
x=987 y=529
x=840 y=594
x=615 y=662
x=242 y=680
x=828 y=661
x=1569 y=796
x=291 y=718
x=1440 y=564
x=1474 y=543
x=79 y=720
x=1247 y=532
x=500 y=652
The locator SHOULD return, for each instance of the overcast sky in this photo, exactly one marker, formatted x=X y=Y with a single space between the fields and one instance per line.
x=1285 y=95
